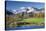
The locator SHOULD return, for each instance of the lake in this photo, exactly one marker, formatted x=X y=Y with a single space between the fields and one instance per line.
x=24 y=27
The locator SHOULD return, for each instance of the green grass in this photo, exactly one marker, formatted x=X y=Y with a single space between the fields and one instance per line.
x=35 y=20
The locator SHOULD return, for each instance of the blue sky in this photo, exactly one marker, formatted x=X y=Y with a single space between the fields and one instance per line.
x=17 y=4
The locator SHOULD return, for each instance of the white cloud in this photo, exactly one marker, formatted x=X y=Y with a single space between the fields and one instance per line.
x=14 y=11
x=22 y=7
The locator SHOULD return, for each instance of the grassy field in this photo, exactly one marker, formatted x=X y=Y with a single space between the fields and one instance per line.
x=35 y=20
x=32 y=21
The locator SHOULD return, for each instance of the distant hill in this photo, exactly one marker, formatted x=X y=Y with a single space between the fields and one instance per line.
x=8 y=12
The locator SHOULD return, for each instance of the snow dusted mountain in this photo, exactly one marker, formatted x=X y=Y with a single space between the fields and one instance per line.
x=23 y=9
x=27 y=9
